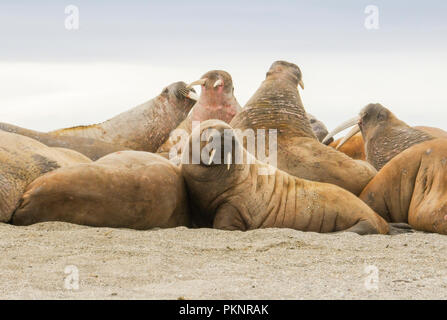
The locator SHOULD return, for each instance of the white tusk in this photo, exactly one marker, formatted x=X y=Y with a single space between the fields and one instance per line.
x=228 y=160
x=354 y=131
x=193 y=96
x=301 y=83
x=343 y=126
x=212 y=156
x=218 y=83
x=200 y=82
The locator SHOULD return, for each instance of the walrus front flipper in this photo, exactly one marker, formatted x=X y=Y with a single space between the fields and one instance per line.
x=362 y=228
x=399 y=228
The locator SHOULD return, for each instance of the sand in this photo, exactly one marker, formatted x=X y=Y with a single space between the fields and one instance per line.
x=183 y=263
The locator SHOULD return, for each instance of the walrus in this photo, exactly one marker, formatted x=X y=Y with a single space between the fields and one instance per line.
x=277 y=105
x=216 y=101
x=130 y=189
x=145 y=127
x=91 y=148
x=22 y=160
x=355 y=146
x=318 y=127
x=412 y=187
x=385 y=136
x=230 y=190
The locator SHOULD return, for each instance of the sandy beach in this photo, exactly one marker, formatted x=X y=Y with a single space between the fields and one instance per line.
x=184 y=263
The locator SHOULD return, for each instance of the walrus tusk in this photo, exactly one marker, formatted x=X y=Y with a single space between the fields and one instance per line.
x=193 y=96
x=301 y=83
x=199 y=82
x=354 y=131
x=228 y=160
x=345 y=125
x=218 y=83
x=212 y=157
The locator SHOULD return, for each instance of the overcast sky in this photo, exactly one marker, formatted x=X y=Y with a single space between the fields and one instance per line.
x=125 y=52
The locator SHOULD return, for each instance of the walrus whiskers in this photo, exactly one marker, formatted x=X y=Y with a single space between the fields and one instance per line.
x=188 y=93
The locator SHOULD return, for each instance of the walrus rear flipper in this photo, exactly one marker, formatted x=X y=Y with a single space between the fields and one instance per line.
x=362 y=228
x=399 y=228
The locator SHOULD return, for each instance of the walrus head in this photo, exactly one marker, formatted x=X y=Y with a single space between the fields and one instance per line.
x=178 y=94
x=384 y=134
x=284 y=69
x=318 y=127
x=214 y=146
x=217 y=99
x=372 y=118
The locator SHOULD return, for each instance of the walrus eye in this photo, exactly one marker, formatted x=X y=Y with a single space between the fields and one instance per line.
x=381 y=116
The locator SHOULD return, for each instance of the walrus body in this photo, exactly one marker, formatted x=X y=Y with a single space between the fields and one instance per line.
x=354 y=147
x=145 y=127
x=217 y=101
x=276 y=105
x=233 y=196
x=412 y=188
x=129 y=189
x=91 y=148
x=22 y=160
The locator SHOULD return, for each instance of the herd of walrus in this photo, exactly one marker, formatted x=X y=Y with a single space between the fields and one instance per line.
x=384 y=177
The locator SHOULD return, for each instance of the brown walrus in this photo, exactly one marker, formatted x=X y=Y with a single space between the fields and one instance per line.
x=217 y=101
x=93 y=149
x=384 y=134
x=22 y=160
x=144 y=127
x=129 y=189
x=277 y=105
x=230 y=192
x=412 y=187
x=355 y=146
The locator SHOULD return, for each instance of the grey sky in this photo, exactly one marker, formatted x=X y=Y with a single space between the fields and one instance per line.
x=125 y=52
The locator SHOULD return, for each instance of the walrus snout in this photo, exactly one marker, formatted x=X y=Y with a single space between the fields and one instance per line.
x=181 y=91
x=212 y=143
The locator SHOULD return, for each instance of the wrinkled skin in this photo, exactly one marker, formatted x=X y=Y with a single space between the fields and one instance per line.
x=145 y=127
x=277 y=105
x=129 y=189
x=318 y=127
x=239 y=198
x=214 y=103
x=22 y=160
x=385 y=135
x=412 y=188
x=91 y=148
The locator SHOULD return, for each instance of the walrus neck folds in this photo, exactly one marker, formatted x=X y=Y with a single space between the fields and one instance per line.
x=386 y=142
x=270 y=108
